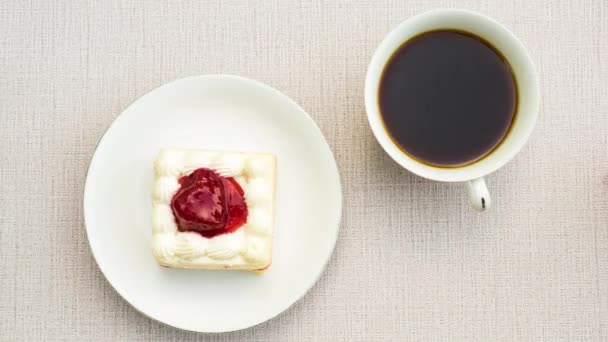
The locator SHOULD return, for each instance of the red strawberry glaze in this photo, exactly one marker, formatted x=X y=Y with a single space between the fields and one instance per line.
x=209 y=204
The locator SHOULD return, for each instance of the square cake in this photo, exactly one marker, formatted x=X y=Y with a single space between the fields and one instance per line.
x=213 y=209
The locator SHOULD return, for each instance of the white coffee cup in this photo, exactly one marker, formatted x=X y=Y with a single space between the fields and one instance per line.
x=527 y=89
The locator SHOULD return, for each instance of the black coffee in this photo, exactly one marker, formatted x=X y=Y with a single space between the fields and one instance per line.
x=447 y=98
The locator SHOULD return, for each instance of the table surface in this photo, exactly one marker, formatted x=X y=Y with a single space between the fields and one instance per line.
x=413 y=261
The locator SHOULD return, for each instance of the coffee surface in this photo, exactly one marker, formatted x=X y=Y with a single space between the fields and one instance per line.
x=447 y=98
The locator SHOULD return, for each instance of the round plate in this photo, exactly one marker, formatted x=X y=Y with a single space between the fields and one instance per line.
x=215 y=112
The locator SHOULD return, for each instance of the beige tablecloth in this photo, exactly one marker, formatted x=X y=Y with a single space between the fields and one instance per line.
x=413 y=262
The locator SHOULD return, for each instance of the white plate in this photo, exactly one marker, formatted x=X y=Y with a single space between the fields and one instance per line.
x=212 y=112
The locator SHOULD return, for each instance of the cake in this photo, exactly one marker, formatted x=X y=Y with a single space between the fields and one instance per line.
x=213 y=209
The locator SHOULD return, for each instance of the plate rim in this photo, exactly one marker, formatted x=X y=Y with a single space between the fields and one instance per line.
x=253 y=82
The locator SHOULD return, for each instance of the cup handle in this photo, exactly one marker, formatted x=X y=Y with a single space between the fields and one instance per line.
x=479 y=196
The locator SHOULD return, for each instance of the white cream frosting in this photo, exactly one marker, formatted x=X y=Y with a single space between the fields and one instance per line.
x=193 y=161
x=233 y=162
x=163 y=246
x=247 y=246
x=169 y=163
x=164 y=189
x=255 y=250
x=259 y=221
x=226 y=246
x=163 y=220
x=257 y=194
x=257 y=167
x=190 y=245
